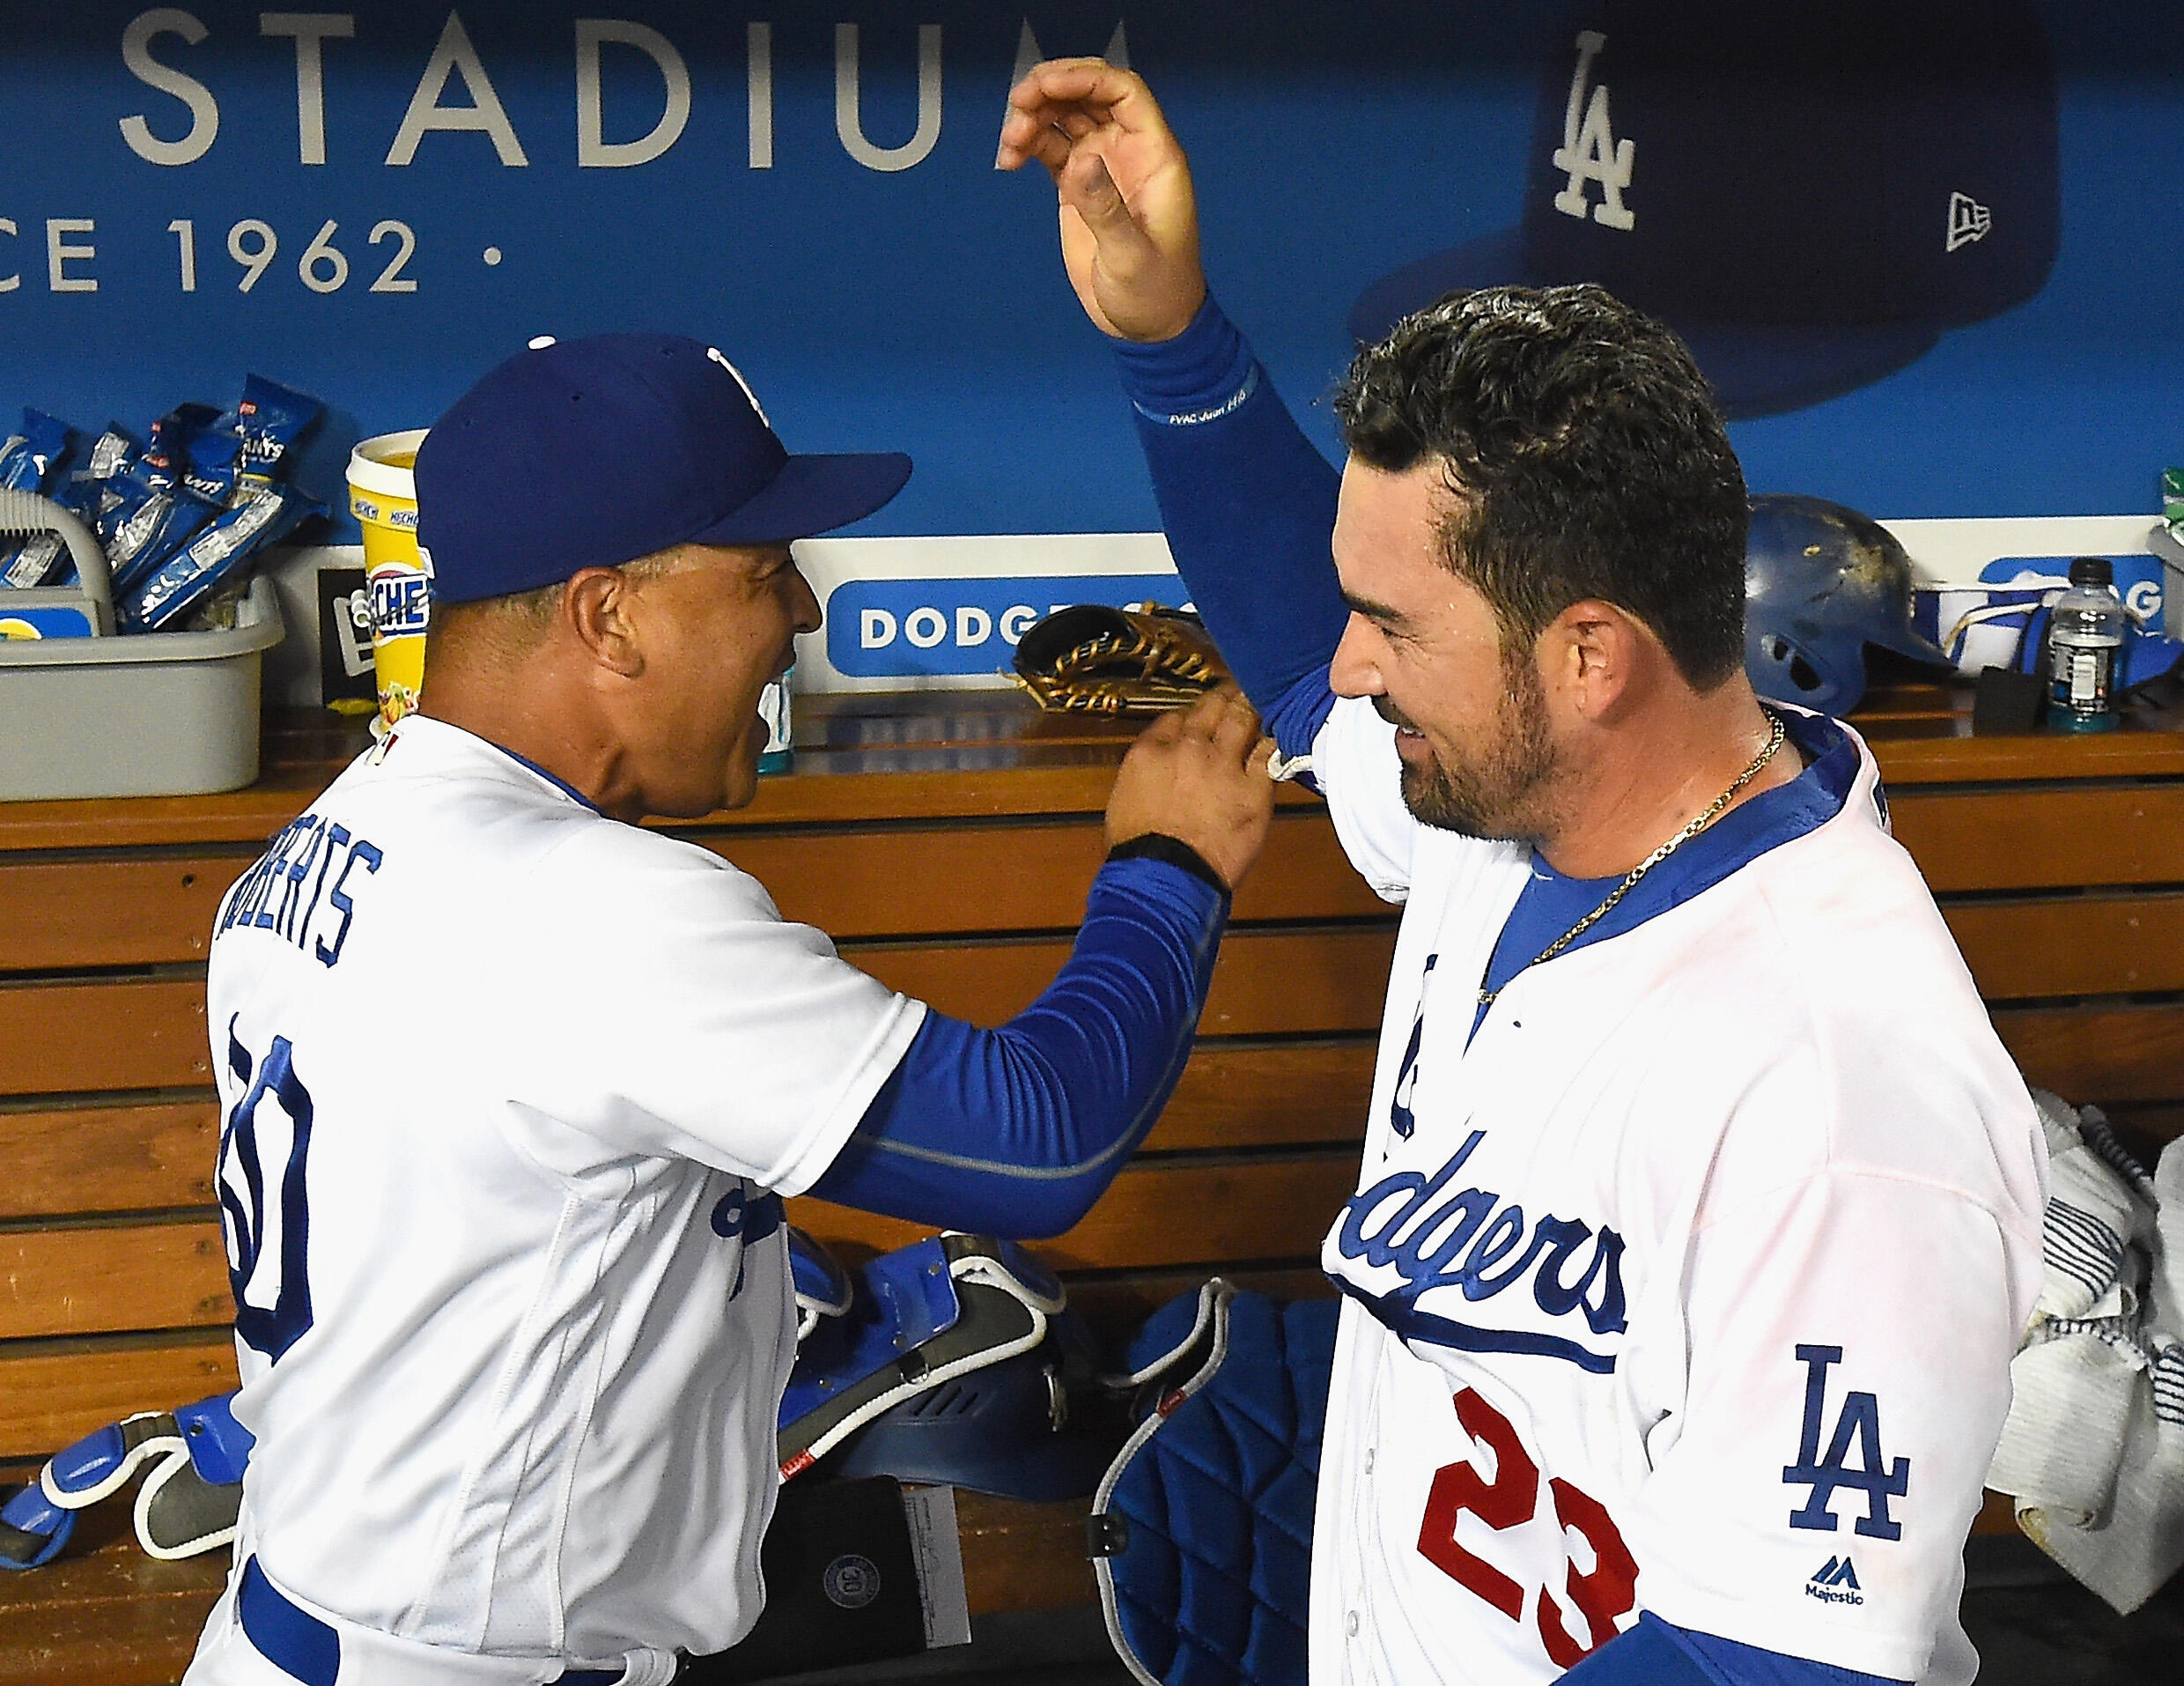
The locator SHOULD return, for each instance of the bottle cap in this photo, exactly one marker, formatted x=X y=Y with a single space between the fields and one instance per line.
x=2091 y=571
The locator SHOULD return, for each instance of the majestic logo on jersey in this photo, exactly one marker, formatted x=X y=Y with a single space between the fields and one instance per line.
x=1859 y=1423
x=1835 y=1582
x=1474 y=1241
x=1590 y=151
x=269 y=1228
x=1968 y=220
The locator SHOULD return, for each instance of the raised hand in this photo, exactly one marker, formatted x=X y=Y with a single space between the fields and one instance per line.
x=1198 y=774
x=1129 y=218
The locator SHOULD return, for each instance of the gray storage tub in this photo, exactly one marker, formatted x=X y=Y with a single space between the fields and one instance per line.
x=148 y=715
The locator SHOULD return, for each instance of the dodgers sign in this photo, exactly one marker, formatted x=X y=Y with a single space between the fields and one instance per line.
x=909 y=629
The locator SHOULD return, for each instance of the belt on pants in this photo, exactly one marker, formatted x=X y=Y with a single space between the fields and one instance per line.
x=305 y=1649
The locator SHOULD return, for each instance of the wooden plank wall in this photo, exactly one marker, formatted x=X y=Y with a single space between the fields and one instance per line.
x=2068 y=904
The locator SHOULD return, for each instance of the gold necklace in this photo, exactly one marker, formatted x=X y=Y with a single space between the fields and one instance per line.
x=1774 y=742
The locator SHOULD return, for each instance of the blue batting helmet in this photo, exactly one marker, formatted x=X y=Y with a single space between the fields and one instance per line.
x=1822 y=584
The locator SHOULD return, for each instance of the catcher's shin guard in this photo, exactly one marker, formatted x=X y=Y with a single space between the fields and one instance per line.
x=189 y=1501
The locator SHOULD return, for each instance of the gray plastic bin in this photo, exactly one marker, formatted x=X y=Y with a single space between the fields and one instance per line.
x=150 y=714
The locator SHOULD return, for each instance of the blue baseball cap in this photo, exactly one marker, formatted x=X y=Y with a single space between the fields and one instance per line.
x=1809 y=196
x=591 y=452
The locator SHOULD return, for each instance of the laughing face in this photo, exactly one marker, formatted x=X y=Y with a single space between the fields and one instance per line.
x=721 y=624
x=1470 y=716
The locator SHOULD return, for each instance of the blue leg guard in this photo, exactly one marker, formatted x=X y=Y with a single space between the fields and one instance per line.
x=100 y=1465
x=220 y=1446
x=32 y=1529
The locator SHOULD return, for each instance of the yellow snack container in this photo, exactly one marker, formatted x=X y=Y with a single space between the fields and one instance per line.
x=383 y=497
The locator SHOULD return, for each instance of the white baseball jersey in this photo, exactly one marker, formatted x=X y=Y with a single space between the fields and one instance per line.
x=1689 y=1285
x=511 y=1091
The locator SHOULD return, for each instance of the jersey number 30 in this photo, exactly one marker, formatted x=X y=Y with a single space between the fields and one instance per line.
x=1601 y=1595
x=268 y=1223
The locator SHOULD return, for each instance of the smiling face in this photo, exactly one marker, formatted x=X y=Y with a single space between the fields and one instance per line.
x=718 y=623
x=1471 y=720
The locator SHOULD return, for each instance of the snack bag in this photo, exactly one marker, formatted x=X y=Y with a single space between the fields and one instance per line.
x=214 y=557
x=31 y=461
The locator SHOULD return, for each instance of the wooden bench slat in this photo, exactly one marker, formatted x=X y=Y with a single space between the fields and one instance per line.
x=2075 y=946
x=106 y=1279
x=150 y=1034
x=58 y=916
x=62 y=914
x=1154 y=1217
x=66 y=1160
x=2098 y=1055
x=2043 y=839
x=107 y=1158
x=1265 y=983
x=1024 y=1556
x=143 y=1033
x=113 y=1617
x=1014 y=877
x=49 y=1399
x=1282 y=1096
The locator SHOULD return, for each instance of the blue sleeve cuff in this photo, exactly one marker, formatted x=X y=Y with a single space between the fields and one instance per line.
x=1295 y=718
x=1205 y=372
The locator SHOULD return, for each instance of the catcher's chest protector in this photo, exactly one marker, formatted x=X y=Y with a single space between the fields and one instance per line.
x=1202 y=1530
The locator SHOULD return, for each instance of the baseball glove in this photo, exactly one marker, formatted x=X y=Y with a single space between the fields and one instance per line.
x=1093 y=659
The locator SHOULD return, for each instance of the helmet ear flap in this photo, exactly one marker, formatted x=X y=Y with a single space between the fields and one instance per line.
x=1792 y=675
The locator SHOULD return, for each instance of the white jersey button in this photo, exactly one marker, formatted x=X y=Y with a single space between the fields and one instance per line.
x=1368 y=1460
x=1350 y=1623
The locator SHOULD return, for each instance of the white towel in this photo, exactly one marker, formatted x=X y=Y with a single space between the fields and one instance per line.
x=2093 y=1449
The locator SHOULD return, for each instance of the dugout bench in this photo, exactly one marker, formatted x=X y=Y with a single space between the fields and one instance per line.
x=953 y=867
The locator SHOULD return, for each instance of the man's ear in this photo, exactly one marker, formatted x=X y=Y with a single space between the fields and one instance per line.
x=1600 y=656
x=596 y=611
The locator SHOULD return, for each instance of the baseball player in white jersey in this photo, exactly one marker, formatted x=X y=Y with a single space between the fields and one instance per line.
x=1700 y=1206
x=512 y=1087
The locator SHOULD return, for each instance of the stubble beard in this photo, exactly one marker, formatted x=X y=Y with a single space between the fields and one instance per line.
x=1502 y=796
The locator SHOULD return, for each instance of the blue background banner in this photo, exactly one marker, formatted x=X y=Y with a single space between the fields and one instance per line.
x=376 y=205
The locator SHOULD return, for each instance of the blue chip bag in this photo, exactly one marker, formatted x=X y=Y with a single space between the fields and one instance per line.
x=31 y=460
x=268 y=419
x=156 y=515
x=218 y=554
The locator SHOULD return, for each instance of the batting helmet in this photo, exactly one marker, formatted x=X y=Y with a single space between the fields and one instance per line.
x=1017 y=1428
x=1822 y=583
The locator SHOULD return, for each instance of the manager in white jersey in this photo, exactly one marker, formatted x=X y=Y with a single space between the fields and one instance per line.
x=1700 y=1211
x=512 y=1087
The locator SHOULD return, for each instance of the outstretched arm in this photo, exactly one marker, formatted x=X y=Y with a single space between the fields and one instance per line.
x=1016 y=1131
x=1246 y=502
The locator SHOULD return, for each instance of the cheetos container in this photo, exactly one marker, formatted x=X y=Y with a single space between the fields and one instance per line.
x=383 y=497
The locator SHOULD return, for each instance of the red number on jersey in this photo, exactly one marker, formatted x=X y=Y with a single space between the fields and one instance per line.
x=1511 y=1498
x=1610 y=1590
x=1607 y=1592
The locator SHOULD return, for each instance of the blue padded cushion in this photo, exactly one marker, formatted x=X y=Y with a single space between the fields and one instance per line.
x=1212 y=1589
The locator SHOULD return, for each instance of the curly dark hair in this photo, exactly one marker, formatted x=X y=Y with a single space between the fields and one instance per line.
x=1587 y=458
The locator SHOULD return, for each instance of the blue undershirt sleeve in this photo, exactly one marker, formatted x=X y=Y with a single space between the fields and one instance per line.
x=1247 y=502
x=1654 y=1653
x=1017 y=1131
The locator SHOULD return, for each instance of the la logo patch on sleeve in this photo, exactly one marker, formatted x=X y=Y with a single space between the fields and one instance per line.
x=1857 y=1426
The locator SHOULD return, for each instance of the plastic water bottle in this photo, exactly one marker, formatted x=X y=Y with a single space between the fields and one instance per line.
x=774 y=708
x=2085 y=634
